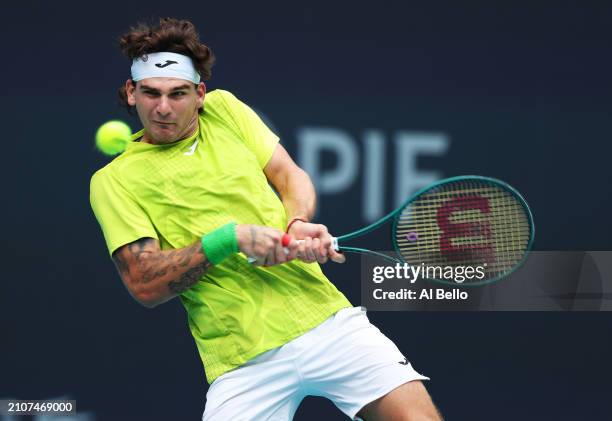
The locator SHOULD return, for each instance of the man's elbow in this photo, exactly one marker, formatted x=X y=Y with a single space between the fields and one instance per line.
x=145 y=298
x=148 y=303
x=143 y=291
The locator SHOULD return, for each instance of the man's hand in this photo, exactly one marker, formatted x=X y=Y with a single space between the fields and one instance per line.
x=317 y=243
x=265 y=245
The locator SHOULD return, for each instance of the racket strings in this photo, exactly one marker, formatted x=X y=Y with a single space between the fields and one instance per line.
x=467 y=223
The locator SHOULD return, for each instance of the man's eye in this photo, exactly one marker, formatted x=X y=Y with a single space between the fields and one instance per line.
x=178 y=93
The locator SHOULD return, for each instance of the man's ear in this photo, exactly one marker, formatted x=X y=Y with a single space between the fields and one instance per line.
x=201 y=92
x=130 y=87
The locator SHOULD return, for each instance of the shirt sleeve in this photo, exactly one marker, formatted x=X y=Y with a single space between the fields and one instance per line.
x=121 y=218
x=254 y=132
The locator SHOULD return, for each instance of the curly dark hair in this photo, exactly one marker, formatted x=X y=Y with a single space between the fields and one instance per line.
x=171 y=35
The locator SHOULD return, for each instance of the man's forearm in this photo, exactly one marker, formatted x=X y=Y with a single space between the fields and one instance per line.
x=298 y=195
x=157 y=276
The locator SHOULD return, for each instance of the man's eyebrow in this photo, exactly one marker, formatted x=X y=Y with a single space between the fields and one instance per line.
x=147 y=88
x=182 y=87
x=177 y=88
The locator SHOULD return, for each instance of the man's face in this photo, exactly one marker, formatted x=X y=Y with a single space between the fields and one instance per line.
x=167 y=107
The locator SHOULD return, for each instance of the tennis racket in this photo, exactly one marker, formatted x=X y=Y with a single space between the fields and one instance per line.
x=458 y=221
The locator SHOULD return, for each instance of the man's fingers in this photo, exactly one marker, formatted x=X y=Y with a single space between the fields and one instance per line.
x=269 y=260
x=319 y=251
x=279 y=253
x=310 y=257
x=336 y=257
x=324 y=249
x=282 y=248
x=316 y=250
x=257 y=260
x=326 y=239
x=316 y=244
x=290 y=247
x=293 y=249
x=307 y=254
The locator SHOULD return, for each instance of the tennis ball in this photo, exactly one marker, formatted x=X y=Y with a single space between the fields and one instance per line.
x=112 y=137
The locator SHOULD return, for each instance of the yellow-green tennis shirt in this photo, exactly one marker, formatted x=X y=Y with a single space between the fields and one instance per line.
x=177 y=192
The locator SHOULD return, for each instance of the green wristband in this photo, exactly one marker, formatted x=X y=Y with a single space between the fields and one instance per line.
x=221 y=243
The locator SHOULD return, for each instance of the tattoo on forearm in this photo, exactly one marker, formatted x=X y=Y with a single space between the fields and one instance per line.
x=154 y=265
x=187 y=279
x=122 y=266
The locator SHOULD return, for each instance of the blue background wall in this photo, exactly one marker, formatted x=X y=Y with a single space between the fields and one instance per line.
x=517 y=92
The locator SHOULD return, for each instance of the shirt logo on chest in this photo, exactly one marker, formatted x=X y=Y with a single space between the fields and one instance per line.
x=193 y=148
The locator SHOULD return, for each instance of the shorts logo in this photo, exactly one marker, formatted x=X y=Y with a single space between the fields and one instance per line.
x=405 y=362
x=166 y=64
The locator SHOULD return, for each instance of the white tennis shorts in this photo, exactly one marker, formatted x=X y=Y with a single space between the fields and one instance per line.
x=345 y=359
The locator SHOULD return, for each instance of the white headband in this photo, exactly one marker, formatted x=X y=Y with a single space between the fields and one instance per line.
x=164 y=65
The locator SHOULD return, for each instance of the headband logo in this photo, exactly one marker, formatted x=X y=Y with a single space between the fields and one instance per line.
x=166 y=64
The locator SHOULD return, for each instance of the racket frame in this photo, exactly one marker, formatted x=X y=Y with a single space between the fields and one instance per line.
x=394 y=215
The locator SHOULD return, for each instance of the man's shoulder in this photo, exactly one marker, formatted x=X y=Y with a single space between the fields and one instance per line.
x=219 y=99
x=106 y=172
x=117 y=165
x=100 y=176
x=221 y=107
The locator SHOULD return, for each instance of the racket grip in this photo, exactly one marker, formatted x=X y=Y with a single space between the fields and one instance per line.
x=287 y=239
x=334 y=243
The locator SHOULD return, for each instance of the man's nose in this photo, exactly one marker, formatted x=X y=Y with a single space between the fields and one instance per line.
x=163 y=106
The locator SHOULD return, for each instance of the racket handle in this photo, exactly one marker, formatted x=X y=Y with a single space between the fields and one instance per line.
x=334 y=243
x=287 y=239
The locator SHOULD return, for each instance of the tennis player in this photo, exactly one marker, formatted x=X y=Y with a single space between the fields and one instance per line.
x=189 y=201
